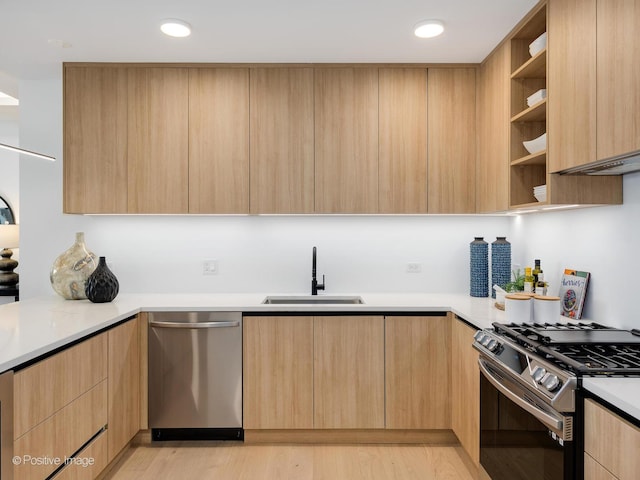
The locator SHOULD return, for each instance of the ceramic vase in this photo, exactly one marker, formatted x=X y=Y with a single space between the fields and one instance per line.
x=71 y=270
x=500 y=263
x=102 y=286
x=479 y=268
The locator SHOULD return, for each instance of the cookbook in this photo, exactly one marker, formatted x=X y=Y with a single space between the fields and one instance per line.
x=573 y=290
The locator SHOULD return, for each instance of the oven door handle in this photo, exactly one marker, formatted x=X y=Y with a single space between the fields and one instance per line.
x=541 y=415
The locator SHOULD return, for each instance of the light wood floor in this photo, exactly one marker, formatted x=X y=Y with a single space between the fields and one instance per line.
x=235 y=461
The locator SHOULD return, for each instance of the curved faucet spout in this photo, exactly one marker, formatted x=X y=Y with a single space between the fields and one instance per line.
x=315 y=286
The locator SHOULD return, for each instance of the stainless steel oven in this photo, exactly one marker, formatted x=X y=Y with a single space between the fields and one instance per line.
x=522 y=437
x=531 y=418
x=526 y=413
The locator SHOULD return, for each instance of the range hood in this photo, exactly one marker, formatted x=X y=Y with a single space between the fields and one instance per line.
x=627 y=163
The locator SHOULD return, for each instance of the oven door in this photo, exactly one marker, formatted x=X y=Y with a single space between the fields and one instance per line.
x=521 y=436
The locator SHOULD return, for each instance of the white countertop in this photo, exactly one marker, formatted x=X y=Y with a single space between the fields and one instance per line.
x=31 y=328
x=34 y=327
x=619 y=391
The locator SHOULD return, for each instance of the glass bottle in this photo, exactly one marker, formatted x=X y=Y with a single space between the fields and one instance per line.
x=528 y=280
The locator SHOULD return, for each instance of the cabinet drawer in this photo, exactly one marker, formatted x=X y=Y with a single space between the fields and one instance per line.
x=594 y=471
x=611 y=441
x=61 y=435
x=57 y=381
x=95 y=453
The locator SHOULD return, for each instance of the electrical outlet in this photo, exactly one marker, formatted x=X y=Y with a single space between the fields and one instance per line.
x=210 y=267
x=414 y=267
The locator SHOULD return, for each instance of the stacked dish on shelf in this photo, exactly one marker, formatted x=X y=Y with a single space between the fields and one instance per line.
x=540 y=192
x=536 y=145
x=538 y=45
x=537 y=97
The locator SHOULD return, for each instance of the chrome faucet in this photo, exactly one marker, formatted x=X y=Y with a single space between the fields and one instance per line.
x=315 y=286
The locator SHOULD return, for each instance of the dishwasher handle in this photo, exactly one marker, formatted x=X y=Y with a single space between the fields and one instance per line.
x=193 y=325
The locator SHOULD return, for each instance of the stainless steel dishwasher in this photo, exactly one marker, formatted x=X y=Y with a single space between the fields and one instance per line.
x=195 y=375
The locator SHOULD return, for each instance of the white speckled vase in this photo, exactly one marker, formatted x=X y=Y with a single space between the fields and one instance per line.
x=71 y=270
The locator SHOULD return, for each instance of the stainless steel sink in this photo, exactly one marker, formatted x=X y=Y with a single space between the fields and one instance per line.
x=313 y=300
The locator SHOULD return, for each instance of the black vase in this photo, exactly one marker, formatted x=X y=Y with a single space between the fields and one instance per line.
x=102 y=285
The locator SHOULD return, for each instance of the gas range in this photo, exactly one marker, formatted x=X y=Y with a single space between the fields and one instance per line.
x=550 y=359
x=529 y=390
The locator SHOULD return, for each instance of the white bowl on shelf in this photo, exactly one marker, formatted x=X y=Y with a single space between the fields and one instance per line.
x=536 y=97
x=537 y=144
x=538 y=45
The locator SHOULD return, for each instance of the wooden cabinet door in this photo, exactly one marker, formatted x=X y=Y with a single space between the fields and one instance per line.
x=95 y=140
x=348 y=372
x=219 y=140
x=402 y=144
x=158 y=143
x=611 y=441
x=572 y=83
x=124 y=386
x=277 y=372
x=346 y=140
x=492 y=168
x=281 y=140
x=594 y=471
x=465 y=389
x=63 y=377
x=618 y=74
x=451 y=140
x=417 y=372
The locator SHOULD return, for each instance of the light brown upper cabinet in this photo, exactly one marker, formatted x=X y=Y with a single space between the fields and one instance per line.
x=95 y=140
x=219 y=140
x=158 y=140
x=595 y=109
x=451 y=143
x=572 y=83
x=618 y=77
x=580 y=125
x=281 y=140
x=346 y=140
x=402 y=147
x=492 y=167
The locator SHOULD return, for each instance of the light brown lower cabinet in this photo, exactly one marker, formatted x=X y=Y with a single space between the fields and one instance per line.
x=417 y=372
x=43 y=447
x=278 y=372
x=465 y=389
x=352 y=373
x=610 y=441
x=88 y=463
x=84 y=397
x=124 y=385
x=348 y=372
x=594 y=471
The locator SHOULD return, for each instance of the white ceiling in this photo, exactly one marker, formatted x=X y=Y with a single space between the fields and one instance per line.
x=247 y=31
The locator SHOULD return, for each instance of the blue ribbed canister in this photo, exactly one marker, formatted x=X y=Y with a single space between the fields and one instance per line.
x=500 y=263
x=479 y=268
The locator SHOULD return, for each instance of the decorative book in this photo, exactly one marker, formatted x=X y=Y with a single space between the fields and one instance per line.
x=573 y=290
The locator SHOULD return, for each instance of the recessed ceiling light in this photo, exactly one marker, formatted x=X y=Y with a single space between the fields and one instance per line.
x=428 y=28
x=175 y=28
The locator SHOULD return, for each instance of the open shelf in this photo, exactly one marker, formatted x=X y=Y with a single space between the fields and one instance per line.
x=535 y=113
x=538 y=158
x=535 y=67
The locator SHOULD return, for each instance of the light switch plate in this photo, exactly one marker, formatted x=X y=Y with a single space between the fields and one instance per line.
x=210 y=267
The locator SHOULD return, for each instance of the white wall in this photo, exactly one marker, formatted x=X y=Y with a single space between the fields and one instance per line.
x=604 y=241
x=9 y=171
x=273 y=254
